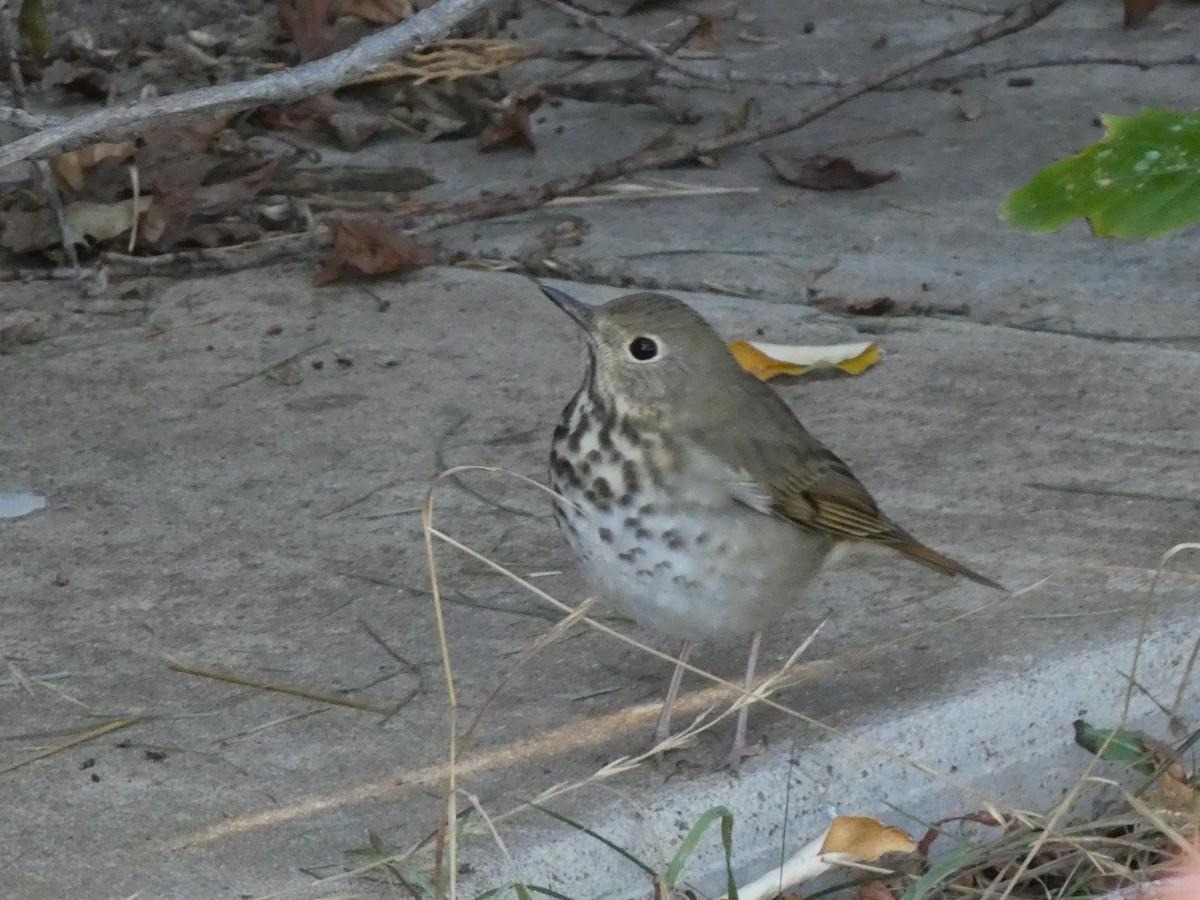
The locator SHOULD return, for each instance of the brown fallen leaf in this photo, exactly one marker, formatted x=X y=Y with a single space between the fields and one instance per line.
x=373 y=247
x=879 y=306
x=1137 y=11
x=379 y=12
x=875 y=890
x=705 y=38
x=610 y=7
x=69 y=168
x=175 y=210
x=91 y=84
x=223 y=234
x=512 y=128
x=330 y=180
x=353 y=129
x=311 y=26
x=820 y=172
x=350 y=122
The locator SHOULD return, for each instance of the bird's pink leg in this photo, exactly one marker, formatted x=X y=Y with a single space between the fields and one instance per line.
x=663 y=730
x=739 y=751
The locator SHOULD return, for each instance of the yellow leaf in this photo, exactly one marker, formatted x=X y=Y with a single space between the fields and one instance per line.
x=765 y=361
x=865 y=838
x=848 y=839
x=103 y=221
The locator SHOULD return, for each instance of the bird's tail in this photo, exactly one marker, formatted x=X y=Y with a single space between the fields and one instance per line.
x=918 y=552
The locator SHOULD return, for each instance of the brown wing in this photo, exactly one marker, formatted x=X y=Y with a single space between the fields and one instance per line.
x=789 y=473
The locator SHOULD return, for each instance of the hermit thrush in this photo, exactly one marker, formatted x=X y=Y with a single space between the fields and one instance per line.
x=693 y=497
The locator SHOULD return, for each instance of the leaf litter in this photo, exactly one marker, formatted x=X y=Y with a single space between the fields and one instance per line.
x=230 y=182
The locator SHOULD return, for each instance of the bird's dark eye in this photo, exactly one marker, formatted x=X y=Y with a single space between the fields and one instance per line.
x=643 y=349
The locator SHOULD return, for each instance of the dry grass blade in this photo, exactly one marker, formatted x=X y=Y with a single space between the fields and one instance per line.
x=278 y=688
x=649 y=190
x=726 y=688
x=453 y=59
x=67 y=745
x=544 y=640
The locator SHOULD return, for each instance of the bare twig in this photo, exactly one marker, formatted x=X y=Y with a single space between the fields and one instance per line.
x=634 y=89
x=67 y=745
x=125 y=121
x=12 y=115
x=1000 y=66
x=12 y=49
x=292 y=690
x=534 y=196
x=279 y=363
x=226 y=259
x=645 y=48
x=822 y=78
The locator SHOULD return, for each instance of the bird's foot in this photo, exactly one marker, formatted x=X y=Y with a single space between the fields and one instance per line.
x=660 y=749
x=739 y=753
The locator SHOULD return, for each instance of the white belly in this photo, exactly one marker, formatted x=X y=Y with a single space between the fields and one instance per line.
x=713 y=567
x=709 y=586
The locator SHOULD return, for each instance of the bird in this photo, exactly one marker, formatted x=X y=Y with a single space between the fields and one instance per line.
x=691 y=495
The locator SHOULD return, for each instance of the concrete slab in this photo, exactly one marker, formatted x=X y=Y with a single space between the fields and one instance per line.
x=252 y=525
x=234 y=464
x=932 y=236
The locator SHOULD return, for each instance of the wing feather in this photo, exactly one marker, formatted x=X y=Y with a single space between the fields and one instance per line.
x=780 y=469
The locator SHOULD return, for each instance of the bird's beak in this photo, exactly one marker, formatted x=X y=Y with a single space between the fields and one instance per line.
x=580 y=312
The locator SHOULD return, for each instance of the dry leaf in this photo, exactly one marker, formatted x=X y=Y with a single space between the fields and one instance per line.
x=823 y=173
x=1137 y=11
x=875 y=890
x=373 y=247
x=765 y=361
x=104 y=221
x=705 y=38
x=68 y=168
x=223 y=234
x=175 y=209
x=752 y=34
x=610 y=7
x=350 y=122
x=878 y=306
x=865 y=838
x=512 y=128
x=28 y=230
x=379 y=12
x=353 y=129
x=848 y=839
x=310 y=24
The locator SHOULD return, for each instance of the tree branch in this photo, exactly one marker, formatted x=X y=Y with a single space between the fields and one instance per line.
x=645 y=48
x=973 y=70
x=122 y=122
x=489 y=206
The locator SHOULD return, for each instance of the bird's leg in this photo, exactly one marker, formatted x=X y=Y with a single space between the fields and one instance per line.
x=739 y=751
x=663 y=730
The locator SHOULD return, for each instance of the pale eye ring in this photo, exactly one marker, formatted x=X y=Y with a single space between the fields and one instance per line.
x=643 y=349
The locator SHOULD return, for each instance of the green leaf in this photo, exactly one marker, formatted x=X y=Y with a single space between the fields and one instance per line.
x=688 y=847
x=35 y=27
x=611 y=845
x=1141 y=180
x=1117 y=745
